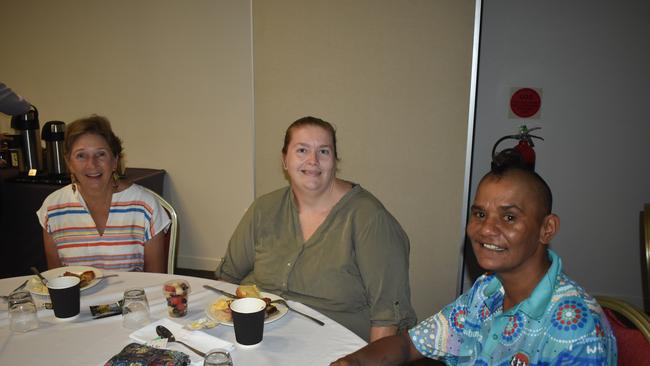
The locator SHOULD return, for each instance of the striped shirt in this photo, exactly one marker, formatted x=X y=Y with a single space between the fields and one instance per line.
x=134 y=218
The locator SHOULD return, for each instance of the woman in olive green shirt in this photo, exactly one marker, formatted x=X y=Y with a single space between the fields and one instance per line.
x=324 y=242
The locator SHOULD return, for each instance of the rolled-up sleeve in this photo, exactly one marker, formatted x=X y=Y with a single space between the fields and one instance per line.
x=382 y=253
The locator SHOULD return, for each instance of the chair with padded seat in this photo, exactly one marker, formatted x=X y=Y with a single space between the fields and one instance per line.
x=171 y=236
x=631 y=328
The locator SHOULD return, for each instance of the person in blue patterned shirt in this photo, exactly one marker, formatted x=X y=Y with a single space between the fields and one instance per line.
x=524 y=310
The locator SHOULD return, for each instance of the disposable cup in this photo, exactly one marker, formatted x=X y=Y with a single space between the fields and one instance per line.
x=248 y=319
x=65 y=296
x=176 y=293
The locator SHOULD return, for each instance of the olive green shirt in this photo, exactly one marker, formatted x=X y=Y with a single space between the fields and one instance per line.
x=354 y=268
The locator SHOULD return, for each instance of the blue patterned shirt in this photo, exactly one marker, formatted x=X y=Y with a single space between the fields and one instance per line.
x=559 y=324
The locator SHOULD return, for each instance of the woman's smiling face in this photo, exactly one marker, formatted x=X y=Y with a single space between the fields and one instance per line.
x=310 y=161
x=92 y=162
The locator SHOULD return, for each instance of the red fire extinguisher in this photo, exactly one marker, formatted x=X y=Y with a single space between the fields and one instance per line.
x=525 y=145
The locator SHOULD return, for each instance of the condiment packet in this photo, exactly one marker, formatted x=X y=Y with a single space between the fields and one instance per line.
x=203 y=323
x=106 y=310
x=159 y=343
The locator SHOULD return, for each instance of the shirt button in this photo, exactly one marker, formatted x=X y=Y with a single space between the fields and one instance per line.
x=289 y=264
x=495 y=337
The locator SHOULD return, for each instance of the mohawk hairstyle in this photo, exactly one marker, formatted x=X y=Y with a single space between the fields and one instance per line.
x=510 y=160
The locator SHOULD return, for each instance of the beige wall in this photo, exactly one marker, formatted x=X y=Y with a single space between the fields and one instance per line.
x=174 y=79
x=394 y=77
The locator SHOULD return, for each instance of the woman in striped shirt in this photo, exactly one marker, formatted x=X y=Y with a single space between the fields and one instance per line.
x=100 y=220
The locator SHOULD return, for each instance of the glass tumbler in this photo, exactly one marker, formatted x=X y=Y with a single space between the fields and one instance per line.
x=135 y=311
x=217 y=357
x=22 y=311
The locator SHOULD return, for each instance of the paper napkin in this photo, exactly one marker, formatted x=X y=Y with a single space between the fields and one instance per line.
x=197 y=339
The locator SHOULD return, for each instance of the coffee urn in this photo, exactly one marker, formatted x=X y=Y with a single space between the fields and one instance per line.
x=53 y=133
x=27 y=125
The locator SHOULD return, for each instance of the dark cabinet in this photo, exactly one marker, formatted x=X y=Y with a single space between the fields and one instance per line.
x=21 y=240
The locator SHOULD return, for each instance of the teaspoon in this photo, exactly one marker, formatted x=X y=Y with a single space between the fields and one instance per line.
x=166 y=333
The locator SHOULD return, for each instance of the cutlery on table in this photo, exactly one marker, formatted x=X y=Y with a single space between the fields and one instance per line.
x=226 y=293
x=6 y=297
x=166 y=333
x=283 y=302
x=38 y=273
x=107 y=276
x=278 y=301
x=22 y=285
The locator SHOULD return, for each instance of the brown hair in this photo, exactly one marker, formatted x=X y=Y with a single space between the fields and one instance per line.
x=310 y=121
x=99 y=126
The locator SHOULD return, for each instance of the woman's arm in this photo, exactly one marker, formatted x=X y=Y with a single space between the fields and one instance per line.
x=51 y=253
x=154 y=254
x=239 y=259
x=382 y=256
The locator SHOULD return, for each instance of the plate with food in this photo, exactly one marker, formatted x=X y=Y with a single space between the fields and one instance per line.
x=219 y=310
x=86 y=274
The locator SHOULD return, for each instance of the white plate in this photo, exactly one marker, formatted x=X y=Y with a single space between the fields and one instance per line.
x=282 y=309
x=36 y=287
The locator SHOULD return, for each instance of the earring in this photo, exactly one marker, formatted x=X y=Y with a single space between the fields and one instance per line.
x=73 y=180
x=116 y=177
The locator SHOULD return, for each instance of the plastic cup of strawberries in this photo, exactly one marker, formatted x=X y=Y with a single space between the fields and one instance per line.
x=176 y=292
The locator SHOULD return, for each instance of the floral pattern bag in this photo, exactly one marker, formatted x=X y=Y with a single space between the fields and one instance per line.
x=136 y=354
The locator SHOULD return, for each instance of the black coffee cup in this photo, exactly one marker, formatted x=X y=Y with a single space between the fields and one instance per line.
x=65 y=295
x=248 y=319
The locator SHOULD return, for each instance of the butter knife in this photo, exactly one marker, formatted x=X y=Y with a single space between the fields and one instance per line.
x=226 y=293
x=107 y=276
x=6 y=297
x=22 y=285
x=38 y=273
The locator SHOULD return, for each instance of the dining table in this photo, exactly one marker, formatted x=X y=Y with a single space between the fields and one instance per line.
x=85 y=340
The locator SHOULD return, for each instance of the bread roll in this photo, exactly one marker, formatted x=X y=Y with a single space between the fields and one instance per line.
x=248 y=291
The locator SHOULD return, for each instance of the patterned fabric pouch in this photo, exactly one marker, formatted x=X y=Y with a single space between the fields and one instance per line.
x=136 y=354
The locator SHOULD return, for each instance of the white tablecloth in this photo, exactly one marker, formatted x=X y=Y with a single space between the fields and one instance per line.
x=291 y=340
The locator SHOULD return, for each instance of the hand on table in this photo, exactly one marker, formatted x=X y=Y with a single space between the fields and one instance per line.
x=392 y=350
x=346 y=361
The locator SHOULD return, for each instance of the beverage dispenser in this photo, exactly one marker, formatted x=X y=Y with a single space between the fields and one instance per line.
x=27 y=125
x=53 y=133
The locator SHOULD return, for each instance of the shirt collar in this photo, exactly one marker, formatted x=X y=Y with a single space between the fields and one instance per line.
x=535 y=305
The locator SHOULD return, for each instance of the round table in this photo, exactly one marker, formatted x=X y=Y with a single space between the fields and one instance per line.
x=87 y=341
